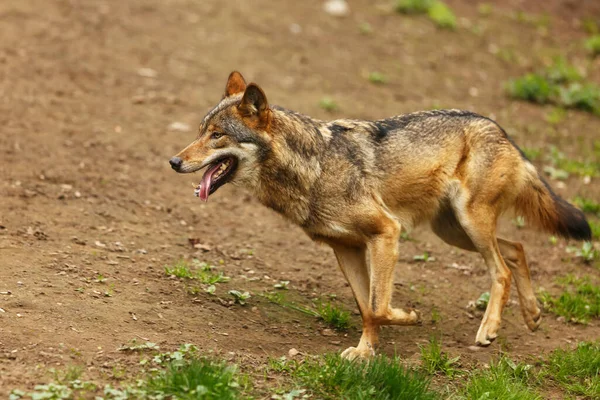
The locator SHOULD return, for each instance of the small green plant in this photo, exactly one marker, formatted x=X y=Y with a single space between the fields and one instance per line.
x=180 y=270
x=333 y=316
x=531 y=153
x=203 y=272
x=435 y=361
x=377 y=78
x=414 y=6
x=577 y=371
x=240 y=297
x=483 y=300
x=556 y=115
x=587 y=252
x=585 y=97
x=442 y=15
x=424 y=257
x=282 y=285
x=562 y=72
x=436 y=316
x=562 y=166
x=579 y=303
x=587 y=205
x=503 y=380
x=485 y=9
x=595 y=226
x=437 y=11
x=592 y=44
x=328 y=104
x=532 y=87
x=133 y=345
x=365 y=28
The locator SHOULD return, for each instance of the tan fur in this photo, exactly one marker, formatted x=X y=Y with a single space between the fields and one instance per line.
x=356 y=184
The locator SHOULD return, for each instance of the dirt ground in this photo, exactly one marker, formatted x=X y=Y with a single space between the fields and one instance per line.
x=88 y=91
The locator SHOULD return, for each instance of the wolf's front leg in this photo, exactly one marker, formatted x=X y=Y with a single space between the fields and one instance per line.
x=382 y=255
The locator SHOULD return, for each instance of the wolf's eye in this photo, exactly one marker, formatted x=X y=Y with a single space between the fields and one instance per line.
x=216 y=135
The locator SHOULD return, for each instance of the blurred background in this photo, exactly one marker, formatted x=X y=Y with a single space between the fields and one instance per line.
x=96 y=96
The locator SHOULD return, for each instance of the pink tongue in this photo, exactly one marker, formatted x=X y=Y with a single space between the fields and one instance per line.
x=206 y=181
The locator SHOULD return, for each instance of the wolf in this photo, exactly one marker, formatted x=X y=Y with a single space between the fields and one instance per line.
x=355 y=185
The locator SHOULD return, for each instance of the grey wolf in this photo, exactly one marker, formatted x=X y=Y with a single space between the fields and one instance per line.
x=355 y=185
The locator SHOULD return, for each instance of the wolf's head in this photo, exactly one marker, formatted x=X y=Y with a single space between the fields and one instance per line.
x=232 y=139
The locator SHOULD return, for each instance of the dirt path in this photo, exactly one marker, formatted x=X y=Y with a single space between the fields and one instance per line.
x=90 y=212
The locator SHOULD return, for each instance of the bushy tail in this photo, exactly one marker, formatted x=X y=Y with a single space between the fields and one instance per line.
x=545 y=209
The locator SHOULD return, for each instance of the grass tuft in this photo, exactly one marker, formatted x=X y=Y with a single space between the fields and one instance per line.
x=559 y=84
x=578 y=303
x=201 y=271
x=587 y=205
x=437 y=11
x=331 y=377
x=333 y=316
x=328 y=104
x=435 y=361
x=377 y=78
x=577 y=371
x=504 y=380
x=197 y=378
x=592 y=44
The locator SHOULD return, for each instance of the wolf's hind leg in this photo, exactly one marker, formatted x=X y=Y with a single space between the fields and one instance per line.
x=446 y=227
x=514 y=255
x=478 y=220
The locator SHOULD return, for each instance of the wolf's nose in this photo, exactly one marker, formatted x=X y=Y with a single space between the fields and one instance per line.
x=175 y=163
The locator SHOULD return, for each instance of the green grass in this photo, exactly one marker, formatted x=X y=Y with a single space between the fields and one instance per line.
x=414 y=6
x=531 y=153
x=377 y=78
x=595 y=226
x=442 y=15
x=562 y=166
x=329 y=313
x=334 y=316
x=328 y=104
x=532 y=87
x=592 y=44
x=577 y=371
x=587 y=205
x=503 y=380
x=583 y=96
x=365 y=28
x=196 y=378
x=437 y=11
x=331 y=377
x=202 y=272
x=435 y=361
x=579 y=303
x=560 y=84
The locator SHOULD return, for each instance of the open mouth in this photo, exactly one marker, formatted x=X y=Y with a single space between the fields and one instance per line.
x=217 y=174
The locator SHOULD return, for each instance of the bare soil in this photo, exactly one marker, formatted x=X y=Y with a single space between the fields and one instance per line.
x=86 y=189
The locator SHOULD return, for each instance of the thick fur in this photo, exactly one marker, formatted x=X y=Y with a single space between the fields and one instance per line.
x=355 y=184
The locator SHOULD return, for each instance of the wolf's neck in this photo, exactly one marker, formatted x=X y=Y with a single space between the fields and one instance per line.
x=293 y=166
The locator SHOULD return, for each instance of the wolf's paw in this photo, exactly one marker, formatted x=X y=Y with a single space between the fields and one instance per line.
x=534 y=320
x=354 y=353
x=485 y=337
x=415 y=315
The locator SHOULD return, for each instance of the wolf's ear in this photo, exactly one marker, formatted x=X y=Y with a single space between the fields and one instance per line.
x=235 y=84
x=254 y=103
